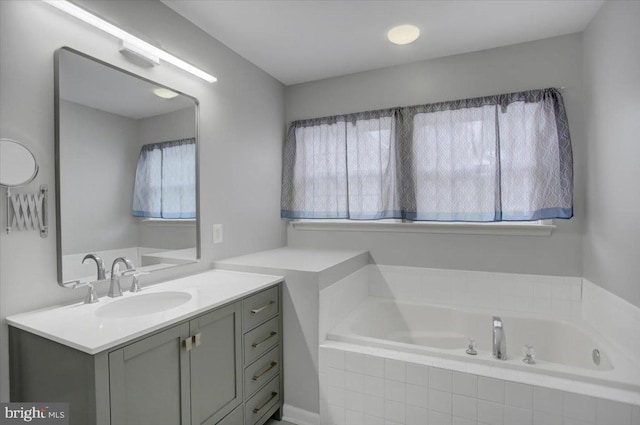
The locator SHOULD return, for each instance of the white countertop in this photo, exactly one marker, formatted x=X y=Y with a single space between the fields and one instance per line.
x=300 y=259
x=77 y=326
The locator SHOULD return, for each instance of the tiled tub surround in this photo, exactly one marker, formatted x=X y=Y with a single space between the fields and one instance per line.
x=364 y=386
x=576 y=303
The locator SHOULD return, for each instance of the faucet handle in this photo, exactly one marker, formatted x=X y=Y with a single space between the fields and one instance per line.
x=135 y=285
x=131 y=272
x=92 y=295
x=529 y=354
x=471 y=348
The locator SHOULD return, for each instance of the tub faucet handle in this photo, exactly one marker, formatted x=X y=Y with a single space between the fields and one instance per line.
x=529 y=354
x=471 y=348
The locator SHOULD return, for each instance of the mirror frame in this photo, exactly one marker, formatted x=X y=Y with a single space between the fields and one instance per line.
x=56 y=85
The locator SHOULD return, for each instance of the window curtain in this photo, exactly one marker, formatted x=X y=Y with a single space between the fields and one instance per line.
x=342 y=167
x=494 y=158
x=165 y=185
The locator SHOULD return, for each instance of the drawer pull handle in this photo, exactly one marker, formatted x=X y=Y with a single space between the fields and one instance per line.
x=187 y=343
x=261 y=374
x=197 y=339
x=257 y=409
x=271 y=335
x=259 y=309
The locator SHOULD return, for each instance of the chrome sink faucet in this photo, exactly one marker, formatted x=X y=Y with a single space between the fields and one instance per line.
x=499 y=339
x=92 y=296
x=114 y=288
x=99 y=263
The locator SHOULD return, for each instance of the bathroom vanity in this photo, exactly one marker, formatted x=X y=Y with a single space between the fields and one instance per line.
x=213 y=359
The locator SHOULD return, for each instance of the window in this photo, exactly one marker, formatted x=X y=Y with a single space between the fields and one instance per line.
x=490 y=159
x=165 y=185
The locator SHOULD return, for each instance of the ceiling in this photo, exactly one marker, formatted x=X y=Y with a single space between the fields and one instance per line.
x=297 y=41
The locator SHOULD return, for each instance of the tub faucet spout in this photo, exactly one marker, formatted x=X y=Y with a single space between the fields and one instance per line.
x=499 y=339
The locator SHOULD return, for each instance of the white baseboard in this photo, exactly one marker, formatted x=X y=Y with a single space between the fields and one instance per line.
x=298 y=416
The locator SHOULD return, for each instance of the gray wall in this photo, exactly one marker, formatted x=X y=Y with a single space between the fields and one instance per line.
x=99 y=152
x=165 y=127
x=612 y=88
x=553 y=62
x=99 y=156
x=161 y=128
x=241 y=129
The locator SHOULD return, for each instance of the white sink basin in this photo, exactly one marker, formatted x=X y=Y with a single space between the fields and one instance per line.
x=144 y=304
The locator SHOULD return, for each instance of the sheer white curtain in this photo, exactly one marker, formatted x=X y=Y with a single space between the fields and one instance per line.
x=344 y=168
x=529 y=153
x=494 y=158
x=165 y=185
x=455 y=164
x=371 y=169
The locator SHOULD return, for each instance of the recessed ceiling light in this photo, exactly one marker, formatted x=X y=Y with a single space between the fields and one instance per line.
x=403 y=34
x=164 y=93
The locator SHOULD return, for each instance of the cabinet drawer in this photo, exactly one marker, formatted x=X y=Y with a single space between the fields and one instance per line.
x=261 y=371
x=233 y=418
x=259 y=307
x=262 y=403
x=260 y=340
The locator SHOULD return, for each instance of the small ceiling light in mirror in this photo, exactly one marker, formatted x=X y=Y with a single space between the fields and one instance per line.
x=403 y=34
x=164 y=93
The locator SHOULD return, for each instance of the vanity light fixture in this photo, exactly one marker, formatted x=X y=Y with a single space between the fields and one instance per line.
x=164 y=93
x=136 y=51
x=132 y=42
x=403 y=34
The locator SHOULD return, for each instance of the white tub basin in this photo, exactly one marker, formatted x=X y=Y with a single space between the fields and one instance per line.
x=140 y=305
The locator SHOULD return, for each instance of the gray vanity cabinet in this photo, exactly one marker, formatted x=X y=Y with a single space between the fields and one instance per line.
x=150 y=380
x=222 y=367
x=216 y=368
x=188 y=374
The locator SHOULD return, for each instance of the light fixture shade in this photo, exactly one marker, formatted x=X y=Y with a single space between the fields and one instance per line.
x=165 y=93
x=403 y=34
x=133 y=42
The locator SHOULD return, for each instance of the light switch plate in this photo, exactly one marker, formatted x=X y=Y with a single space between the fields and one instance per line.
x=217 y=233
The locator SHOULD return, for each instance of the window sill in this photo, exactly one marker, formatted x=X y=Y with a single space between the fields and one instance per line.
x=180 y=222
x=540 y=228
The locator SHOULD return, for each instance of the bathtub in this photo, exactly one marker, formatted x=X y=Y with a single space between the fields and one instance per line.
x=564 y=350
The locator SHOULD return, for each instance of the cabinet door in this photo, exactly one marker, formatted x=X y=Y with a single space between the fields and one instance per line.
x=150 y=382
x=216 y=364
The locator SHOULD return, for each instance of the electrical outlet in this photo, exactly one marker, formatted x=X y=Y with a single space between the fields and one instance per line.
x=217 y=233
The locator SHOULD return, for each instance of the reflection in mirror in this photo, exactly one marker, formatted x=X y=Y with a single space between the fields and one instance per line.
x=126 y=169
x=18 y=166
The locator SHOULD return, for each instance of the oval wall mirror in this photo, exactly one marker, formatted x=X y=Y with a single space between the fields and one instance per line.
x=18 y=166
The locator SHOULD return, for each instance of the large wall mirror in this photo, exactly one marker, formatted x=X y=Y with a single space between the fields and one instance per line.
x=126 y=169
